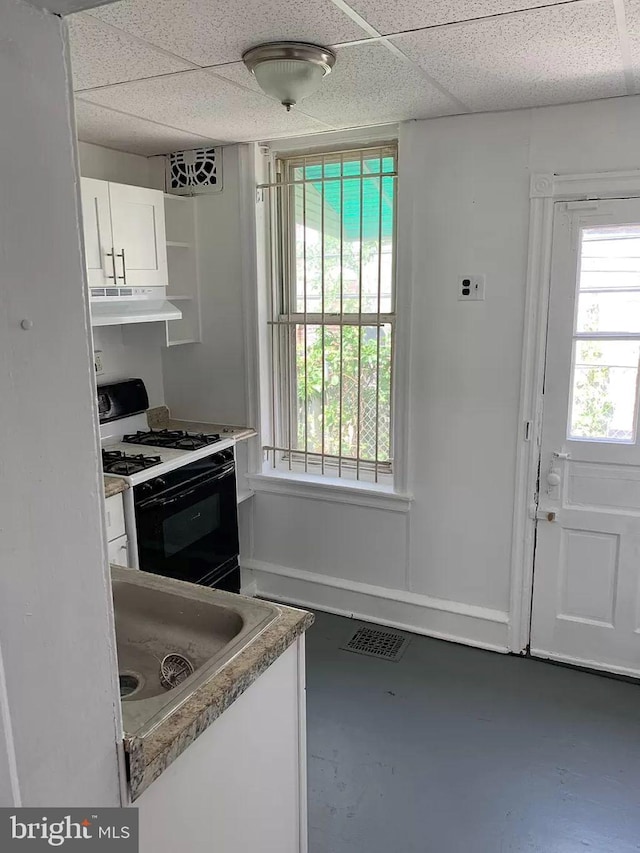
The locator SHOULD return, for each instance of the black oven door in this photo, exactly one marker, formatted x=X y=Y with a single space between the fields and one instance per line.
x=191 y=534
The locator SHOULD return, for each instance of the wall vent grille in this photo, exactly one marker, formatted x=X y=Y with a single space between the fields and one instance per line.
x=376 y=643
x=195 y=171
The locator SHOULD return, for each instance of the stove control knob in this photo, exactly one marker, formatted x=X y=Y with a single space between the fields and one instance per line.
x=158 y=484
x=145 y=488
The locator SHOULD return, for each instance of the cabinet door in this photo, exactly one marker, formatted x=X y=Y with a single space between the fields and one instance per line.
x=137 y=222
x=259 y=744
x=114 y=514
x=118 y=551
x=97 y=232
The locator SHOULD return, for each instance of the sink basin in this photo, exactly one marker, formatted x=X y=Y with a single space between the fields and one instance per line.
x=157 y=616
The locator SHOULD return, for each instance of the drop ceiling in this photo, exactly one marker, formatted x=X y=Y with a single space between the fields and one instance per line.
x=153 y=76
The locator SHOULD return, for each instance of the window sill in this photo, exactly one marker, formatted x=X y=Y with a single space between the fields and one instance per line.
x=330 y=489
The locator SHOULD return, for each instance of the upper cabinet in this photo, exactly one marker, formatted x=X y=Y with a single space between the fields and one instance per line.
x=124 y=233
x=98 y=241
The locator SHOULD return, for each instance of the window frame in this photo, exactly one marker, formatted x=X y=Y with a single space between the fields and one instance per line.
x=283 y=295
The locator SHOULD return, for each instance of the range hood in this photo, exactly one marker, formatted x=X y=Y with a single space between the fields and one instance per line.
x=114 y=312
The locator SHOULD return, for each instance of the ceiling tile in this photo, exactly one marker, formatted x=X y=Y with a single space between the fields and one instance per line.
x=200 y=103
x=396 y=16
x=209 y=32
x=545 y=56
x=632 y=14
x=101 y=55
x=114 y=130
x=237 y=72
x=369 y=85
x=66 y=7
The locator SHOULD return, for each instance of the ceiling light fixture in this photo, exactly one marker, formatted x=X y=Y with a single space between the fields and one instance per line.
x=289 y=70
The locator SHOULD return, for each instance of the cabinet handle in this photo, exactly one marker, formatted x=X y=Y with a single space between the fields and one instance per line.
x=124 y=267
x=112 y=255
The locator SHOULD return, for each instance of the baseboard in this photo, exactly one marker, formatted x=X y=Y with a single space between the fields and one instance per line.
x=585 y=663
x=421 y=614
x=249 y=587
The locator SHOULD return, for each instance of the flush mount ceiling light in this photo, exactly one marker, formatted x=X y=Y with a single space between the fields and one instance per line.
x=289 y=70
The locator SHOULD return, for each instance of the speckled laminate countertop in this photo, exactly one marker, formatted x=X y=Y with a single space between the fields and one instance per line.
x=149 y=755
x=160 y=418
x=113 y=486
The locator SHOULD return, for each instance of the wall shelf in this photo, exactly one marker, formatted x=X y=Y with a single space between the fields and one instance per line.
x=176 y=342
x=183 y=270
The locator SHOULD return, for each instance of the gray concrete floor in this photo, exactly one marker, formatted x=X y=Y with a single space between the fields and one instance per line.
x=457 y=750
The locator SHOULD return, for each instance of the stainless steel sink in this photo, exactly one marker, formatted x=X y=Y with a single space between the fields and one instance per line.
x=158 y=616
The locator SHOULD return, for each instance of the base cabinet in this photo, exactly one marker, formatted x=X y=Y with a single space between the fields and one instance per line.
x=241 y=786
x=118 y=550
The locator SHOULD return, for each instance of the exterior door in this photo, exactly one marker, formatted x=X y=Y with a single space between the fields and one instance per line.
x=98 y=245
x=137 y=221
x=586 y=595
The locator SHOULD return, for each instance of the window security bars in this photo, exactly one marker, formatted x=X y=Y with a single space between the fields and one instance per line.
x=332 y=312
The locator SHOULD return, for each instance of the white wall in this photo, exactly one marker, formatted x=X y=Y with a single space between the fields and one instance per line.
x=133 y=352
x=445 y=567
x=207 y=381
x=136 y=351
x=106 y=164
x=58 y=696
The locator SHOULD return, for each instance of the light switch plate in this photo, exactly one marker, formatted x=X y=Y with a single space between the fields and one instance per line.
x=471 y=288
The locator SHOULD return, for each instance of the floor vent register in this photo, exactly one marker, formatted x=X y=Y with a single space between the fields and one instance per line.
x=376 y=643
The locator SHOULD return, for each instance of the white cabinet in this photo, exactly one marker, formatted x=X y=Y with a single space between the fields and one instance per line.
x=114 y=512
x=241 y=786
x=137 y=222
x=117 y=546
x=98 y=242
x=124 y=234
x=118 y=551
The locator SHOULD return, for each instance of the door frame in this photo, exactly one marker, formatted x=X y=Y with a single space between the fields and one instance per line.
x=545 y=191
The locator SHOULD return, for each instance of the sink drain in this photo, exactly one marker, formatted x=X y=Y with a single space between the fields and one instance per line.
x=128 y=685
x=174 y=669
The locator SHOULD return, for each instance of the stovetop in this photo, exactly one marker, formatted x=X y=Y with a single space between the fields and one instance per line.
x=136 y=463
x=177 y=439
x=126 y=464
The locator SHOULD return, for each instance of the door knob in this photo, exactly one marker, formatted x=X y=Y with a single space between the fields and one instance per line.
x=553 y=477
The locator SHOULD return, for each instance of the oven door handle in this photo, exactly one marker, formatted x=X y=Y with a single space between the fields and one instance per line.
x=160 y=501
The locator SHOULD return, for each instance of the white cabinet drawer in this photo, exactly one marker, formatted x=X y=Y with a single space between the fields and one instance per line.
x=114 y=510
x=118 y=551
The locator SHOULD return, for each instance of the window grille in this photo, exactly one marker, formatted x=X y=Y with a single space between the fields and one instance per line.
x=332 y=312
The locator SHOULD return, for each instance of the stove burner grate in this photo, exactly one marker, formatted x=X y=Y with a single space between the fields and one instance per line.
x=172 y=438
x=117 y=462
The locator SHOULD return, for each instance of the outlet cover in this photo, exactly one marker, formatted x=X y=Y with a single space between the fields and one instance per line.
x=471 y=288
x=97 y=362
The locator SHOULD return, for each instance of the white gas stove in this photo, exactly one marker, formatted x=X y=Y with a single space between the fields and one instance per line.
x=136 y=453
x=181 y=507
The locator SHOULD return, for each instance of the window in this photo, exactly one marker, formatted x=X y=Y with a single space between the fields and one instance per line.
x=332 y=319
x=606 y=345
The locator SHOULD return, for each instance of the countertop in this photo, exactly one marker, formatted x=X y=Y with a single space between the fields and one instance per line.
x=113 y=486
x=149 y=755
x=160 y=418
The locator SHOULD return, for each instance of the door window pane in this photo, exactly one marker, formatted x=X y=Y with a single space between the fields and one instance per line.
x=610 y=257
x=611 y=311
x=605 y=371
x=604 y=392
